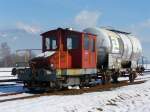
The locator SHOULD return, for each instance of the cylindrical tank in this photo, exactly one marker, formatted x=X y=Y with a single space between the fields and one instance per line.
x=136 y=48
x=121 y=44
x=127 y=46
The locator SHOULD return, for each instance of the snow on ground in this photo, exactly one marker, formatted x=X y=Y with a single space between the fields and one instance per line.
x=124 y=99
x=6 y=69
x=5 y=73
x=7 y=87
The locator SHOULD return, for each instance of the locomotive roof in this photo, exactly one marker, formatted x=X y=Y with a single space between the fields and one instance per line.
x=66 y=29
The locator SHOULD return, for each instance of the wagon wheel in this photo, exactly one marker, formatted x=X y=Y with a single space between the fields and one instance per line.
x=115 y=76
x=108 y=77
x=132 y=76
x=104 y=78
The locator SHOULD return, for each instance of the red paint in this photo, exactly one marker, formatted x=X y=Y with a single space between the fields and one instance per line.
x=73 y=58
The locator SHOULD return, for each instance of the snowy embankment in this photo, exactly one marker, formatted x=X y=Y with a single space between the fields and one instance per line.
x=129 y=98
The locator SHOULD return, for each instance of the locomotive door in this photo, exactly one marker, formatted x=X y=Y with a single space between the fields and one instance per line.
x=89 y=51
x=73 y=49
x=86 y=53
x=92 y=52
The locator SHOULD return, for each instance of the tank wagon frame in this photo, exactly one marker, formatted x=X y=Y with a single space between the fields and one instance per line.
x=71 y=58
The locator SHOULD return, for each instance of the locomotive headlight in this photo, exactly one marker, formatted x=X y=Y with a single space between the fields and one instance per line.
x=52 y=65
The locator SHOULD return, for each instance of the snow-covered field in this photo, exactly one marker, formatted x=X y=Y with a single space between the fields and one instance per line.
x=7 y=87
x=5 y=73
x=131 y=98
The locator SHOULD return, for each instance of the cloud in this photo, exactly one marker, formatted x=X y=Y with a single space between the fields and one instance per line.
x=28 y=28
x=87 y=18
x=20 y=30
x=142 y=31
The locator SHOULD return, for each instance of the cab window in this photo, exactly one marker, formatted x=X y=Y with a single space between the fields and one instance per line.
x=92 y=45
x=51 y=43
x=86 y=42
x=72 y=42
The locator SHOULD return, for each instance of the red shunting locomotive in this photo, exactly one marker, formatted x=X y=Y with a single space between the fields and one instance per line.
x=68 y=58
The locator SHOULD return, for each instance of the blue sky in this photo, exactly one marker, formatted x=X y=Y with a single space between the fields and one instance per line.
x=21 y=21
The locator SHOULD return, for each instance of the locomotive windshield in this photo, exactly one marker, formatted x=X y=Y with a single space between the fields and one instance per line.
x=51 y=43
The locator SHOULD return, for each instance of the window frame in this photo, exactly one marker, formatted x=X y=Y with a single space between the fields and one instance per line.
x=86 y=42
x=50 y=40
x=92 y=45
x=74 y=42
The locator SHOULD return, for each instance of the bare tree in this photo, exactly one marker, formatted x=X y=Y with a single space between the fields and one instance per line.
x=8 y=59
x=4 y=49
x=5 y=54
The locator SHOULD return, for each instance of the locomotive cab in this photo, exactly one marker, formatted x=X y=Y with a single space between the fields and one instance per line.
x=68 y=58
x=70 y=49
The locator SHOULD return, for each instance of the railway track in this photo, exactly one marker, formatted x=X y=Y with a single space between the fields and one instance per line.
x=98 y=88
x=18 y=97
x=147 y=71
x=9 y=80
x=8 y=94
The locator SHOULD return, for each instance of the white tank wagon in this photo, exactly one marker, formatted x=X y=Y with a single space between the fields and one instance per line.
x=117 y=50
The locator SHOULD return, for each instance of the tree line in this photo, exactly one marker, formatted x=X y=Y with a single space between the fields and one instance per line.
x=11 y=59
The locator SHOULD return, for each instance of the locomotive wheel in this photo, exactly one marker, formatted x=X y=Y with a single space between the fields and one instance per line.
x=84 y=81
x=59 y=85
